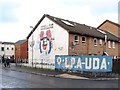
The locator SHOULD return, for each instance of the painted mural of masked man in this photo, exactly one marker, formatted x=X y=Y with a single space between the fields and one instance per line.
x=45 y=42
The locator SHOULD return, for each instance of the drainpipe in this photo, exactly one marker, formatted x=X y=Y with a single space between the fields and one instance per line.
x=105 y=43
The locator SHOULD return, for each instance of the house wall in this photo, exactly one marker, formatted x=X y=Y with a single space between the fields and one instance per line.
x=49 y=39
x=116 y=31
x=85 y=48
x=111 y=28
x=8 y=51
x=113 y=51
x=17 y=52
x=98 y=50
x=24 y=50
x=89 y=48
x=1 y=52
x=79 y=49
x=57 y=42
x=21 y=51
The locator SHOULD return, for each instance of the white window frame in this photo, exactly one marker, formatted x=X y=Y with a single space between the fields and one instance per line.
x=109 y=44
x=76 y=41
x=82 y=39
x=113 y=44
x=100 y=42
x=95 y=44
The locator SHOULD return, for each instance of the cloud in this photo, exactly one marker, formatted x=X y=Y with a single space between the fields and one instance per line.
x=97 y=6
x=26 y=13
x=7 y=11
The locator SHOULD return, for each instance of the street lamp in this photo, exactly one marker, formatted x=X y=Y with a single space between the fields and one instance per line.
x=32 y=44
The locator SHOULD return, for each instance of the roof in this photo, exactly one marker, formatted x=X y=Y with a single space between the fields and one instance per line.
x=36 y=26
x=74 y=27
x=20 y=42
x=116 y=24
x=6 y=42
x=111 y=36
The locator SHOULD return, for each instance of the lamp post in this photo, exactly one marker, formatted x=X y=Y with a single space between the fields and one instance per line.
x=32 y=44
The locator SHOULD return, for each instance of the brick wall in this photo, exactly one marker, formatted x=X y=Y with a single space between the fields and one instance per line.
x=110 y=27
x=79 y=49
x=89 y=47
x=115 y=30
x=95 y=49
x=21 y=51
x=112 y=51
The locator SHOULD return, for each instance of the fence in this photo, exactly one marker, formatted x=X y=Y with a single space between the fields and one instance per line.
x=116 y=66
x=41 y=64
x=35 y=63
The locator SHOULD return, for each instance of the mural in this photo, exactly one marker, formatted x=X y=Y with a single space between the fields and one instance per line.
x=45 y=42
x=89 y=63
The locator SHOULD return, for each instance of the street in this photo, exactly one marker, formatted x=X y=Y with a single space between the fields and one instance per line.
x=15 y=79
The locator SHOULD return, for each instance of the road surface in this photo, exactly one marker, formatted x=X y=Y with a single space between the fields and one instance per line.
x=15 y=79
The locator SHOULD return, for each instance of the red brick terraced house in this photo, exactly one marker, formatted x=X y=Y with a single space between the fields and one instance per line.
x=56 y=36
x=113 y=29
x=110 y=26
x=21 y=50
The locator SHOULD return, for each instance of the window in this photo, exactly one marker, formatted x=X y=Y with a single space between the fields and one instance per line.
x=2 y=48
x=83 y=39
x=100 y=42
x=109 y=44
x=95 y=41
x=67 y=23
x=7 y=48
x=113 y=44
x=12 y=49
x=76 y=39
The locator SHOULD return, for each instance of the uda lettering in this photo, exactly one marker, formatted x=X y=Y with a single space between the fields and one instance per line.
x=84 y=63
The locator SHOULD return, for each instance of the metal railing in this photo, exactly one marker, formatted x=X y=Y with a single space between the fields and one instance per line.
x=36 y=63
x=48 y=65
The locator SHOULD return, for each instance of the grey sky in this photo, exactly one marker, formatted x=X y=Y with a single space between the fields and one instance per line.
x=17 y=15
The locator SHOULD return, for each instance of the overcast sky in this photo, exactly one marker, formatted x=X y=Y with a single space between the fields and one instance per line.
x=16 y=16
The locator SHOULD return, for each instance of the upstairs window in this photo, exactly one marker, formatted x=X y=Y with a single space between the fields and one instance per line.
x=95 y=41
x=2 y=48
x=113 y=44
x=83 y=39
x=76 y=39
x=7 y=48
x=12 y=49
x=109 y=44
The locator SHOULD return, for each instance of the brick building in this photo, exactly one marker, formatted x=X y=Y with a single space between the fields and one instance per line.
x=7 y=49
x=21 y=50
x=55 y=36
x=113 y=29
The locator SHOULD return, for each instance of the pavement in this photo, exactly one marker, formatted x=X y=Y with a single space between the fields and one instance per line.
x=60 y=74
